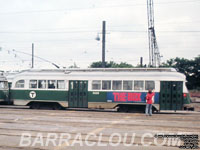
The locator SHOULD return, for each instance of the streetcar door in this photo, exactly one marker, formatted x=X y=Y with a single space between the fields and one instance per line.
x=177 y=95
x=171 y=95
x=78 y=91
x=165 y=95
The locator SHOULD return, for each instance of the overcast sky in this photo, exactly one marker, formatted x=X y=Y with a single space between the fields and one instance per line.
x=64 y=31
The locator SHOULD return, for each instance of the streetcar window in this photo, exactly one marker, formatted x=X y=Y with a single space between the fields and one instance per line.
x=3 y=85
x=6 y=85
x=117 y=85
x=127 y=85
x=42 y=84
x=19 y=84
x=149 y=85
x=106 y=85
x=61 y=84
x=33 y=84
x=51 y=84
x=72 y=85
x=96 y=85
x=138 y=85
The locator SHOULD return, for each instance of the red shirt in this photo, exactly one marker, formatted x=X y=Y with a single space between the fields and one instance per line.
x=149 y=97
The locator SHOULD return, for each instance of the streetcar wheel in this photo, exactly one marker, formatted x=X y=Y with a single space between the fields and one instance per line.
x=57 y=107
x=122 y=109
x=35 y=106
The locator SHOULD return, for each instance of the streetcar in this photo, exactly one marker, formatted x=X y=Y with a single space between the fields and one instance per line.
x=105 y=88
x=4 y=91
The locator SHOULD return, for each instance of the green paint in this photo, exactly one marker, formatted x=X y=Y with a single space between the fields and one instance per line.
x=40 y=95
x=55 y=95
x=187 y=100
x=78 y=94
x=97 y=96
x=93 y=96
x=171 y=95
x=3 y=94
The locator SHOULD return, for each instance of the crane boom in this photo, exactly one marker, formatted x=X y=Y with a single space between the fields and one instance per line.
x=154 y=54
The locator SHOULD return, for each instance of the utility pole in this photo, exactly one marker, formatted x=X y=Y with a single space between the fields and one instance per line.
x=103 y=44
x=32 y=55
x=154 y=54
x=141 y=61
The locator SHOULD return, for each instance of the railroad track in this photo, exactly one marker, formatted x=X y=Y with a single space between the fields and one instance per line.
x=15 y=120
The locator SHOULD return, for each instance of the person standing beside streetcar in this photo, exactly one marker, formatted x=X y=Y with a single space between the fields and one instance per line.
x=149 y=102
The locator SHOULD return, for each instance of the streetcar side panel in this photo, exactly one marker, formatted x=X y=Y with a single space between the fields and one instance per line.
x=4 y=91
x=101 y=96
x=25 y=90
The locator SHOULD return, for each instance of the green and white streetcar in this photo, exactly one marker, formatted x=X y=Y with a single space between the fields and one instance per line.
x=4 y=91
x=121 y=88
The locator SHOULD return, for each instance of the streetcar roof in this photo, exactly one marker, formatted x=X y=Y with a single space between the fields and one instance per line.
x=104 y=70
x=101 y=73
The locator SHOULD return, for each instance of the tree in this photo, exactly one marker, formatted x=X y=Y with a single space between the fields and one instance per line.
x=191 y=69
x=111 y=64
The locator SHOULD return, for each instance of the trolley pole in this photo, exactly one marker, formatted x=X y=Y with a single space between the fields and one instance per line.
x=103 y=44
x=32 y=55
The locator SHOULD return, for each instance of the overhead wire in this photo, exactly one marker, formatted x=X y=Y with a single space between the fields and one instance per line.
x=79 y=31
x=38 y=57
x=92 y=7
